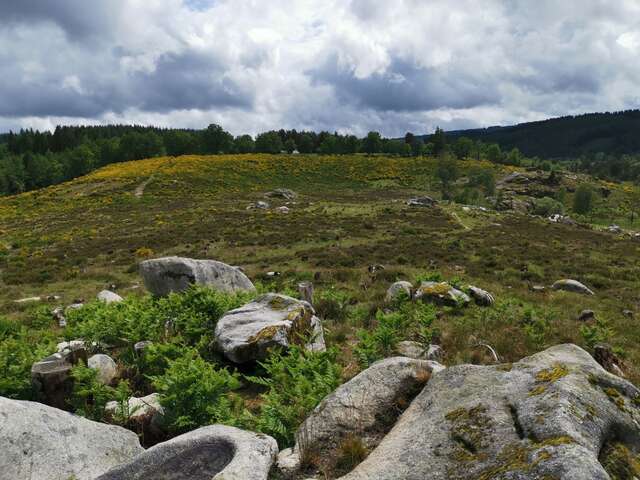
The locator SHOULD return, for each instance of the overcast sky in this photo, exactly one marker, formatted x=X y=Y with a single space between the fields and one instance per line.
x=346 y=65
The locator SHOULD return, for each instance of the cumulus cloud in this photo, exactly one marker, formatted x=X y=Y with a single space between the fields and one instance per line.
x=346 y=65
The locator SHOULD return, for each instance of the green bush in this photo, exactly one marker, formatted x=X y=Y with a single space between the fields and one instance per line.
x=332 y=304
x=191 y=315
x=19 y=349
x=195 y=392
x=412 y=322
x=599 y=332
x=296 y=382
x=547 y=206
x=89 y=397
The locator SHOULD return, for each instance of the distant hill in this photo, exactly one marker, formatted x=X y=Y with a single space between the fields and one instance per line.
x=613 y=133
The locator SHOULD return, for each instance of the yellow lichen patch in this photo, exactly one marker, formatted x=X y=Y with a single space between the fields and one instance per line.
x=548 y=376
x=552 y=374
x=267 y=333
x=616 y=397
x=539 y=390
x=437 y=289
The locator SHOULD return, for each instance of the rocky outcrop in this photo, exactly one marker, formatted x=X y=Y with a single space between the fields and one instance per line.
x=397 y=289
x=107 y=296
x=216 y=452
x=271 y=321
x=548 y=416
x=38 y=442
x=174 y=274
x=574 y=286
x=441 y=293
x=365 y=407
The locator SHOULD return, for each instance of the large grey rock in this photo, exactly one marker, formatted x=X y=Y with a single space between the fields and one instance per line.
x=364 y=407
x=107 y=296
x=572 y=286
x=272 y=320
x=38 y=442
x=216 y=452
x=174 y=274
x=399 y=288
x=441 y=293
x=105 y=366
x=547 y=416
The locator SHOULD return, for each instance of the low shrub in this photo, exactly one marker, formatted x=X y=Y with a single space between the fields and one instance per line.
x=89 y=397
x=412 y=322
x=192 y=315
x=195 y=392
x=296 y=382
x=19 y=350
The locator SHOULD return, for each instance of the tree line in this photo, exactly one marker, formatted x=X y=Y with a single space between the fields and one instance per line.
x=31 y=159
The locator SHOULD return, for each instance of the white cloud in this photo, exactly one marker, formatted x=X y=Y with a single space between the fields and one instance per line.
x=339 y=65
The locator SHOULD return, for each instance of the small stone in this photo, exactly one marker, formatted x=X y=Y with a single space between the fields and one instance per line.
x=587 y=315
x=141 y=346
x=108 y=296
x=481 y=297
x=106 y=367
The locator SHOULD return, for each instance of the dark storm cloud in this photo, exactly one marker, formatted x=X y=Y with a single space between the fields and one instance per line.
x=191 y=80
x=79 y=19
x=406 y=87
x=186 y=81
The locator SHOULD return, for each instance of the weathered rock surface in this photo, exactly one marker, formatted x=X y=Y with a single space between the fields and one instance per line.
x=441 y=293
x=272 y=320
x=399 y=288
x=174 y=274
x=364 y=407
x=38 y=442
x=281 y=193
x=216 y=452
x=108 y=296
x=144 y=411
x=51 y=376
x=547 y=416
x=411 y=349
x=105 y=366
x=422 y=202
x=480 y=296
x=574 y=286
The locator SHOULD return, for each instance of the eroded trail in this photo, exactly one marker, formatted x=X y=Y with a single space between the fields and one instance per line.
x=139 y=191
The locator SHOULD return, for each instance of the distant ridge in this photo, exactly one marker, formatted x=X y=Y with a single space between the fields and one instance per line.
x=614 y=133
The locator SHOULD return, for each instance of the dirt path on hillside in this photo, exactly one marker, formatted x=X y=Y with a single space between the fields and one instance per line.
x=139 y=191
